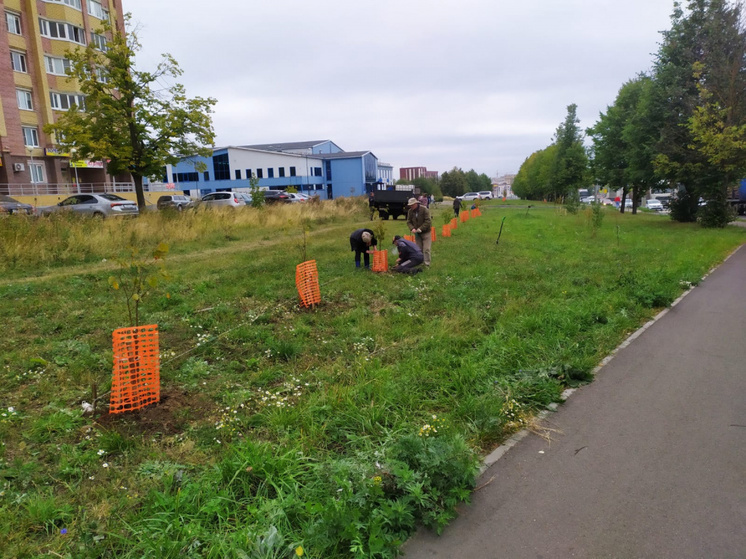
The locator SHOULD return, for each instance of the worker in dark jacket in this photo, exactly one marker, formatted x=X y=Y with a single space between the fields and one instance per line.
x=410 y=256
x=360 y=241
x=418 y=222
x=456 y=206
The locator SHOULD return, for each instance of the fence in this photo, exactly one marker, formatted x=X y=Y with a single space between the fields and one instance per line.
x=41 y=189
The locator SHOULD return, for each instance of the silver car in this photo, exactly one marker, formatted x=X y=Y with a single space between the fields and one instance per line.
x=10 y=205
x=223 y=199
x=94 y=205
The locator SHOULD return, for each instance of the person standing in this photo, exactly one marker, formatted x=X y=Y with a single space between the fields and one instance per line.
x=360 y=242
x=418 y=222
x=456 y=206
x=410 y=256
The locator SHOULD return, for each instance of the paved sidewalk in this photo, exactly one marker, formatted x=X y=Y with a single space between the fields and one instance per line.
x=648 y=461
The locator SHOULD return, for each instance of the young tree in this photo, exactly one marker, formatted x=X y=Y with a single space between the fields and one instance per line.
x=129 y=119
x=570 y=170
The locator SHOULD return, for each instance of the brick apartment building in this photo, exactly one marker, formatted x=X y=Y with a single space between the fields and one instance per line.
x=411 y=173
x=34 y=89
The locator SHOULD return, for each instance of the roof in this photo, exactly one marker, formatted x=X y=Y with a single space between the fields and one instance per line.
x=282 y=146
x=344 y=155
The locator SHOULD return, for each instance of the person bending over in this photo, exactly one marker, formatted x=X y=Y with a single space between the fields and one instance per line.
x=360 y=242
x=410 y=256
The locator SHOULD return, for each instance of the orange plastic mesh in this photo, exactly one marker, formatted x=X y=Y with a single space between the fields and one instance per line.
x=307 y=282
x=473 y=213
x=446 y=230
x=477 y=212
x=136 y=380
x=454 y=223
x=409 y=238
x=432 y=236
x=381 y=261
x=464 y=216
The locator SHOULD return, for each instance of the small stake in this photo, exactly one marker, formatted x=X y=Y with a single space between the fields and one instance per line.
x=501 y=229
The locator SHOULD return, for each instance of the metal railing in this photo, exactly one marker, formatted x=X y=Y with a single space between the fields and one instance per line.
x=40 y=189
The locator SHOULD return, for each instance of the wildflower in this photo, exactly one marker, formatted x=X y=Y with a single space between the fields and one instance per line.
x=105 y=464
x=101 y=452
x=63 y=531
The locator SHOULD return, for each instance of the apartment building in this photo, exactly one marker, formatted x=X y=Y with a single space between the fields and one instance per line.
x=35 y=89
x=411 y=173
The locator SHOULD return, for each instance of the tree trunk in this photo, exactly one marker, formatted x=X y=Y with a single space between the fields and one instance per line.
x=139 y=191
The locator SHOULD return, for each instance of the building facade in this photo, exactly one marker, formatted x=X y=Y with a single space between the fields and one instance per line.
x=318 y=167
x=34 y=89
x=411 y=173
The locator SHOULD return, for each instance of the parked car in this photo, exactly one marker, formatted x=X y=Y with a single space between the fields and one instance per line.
x=470 y=196
x=296 y=197
x=276 y=197
x=485 y=194
x=177 y=202
x=223 y=199
x=245 y=196
x=10 y=205
x=95 y=205
x=654 y=205
x=588 y=200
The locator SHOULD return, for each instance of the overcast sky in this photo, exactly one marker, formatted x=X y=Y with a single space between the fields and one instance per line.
x=476 y=84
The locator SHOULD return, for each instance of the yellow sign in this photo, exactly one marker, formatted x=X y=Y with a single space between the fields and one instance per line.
x=86 y=164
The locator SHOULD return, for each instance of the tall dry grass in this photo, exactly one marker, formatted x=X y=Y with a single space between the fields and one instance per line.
x=29 y=242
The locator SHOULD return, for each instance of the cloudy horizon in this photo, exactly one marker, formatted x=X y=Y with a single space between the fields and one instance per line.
x=476 y=84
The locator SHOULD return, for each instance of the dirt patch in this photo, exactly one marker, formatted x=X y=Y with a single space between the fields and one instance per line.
x=173 y=414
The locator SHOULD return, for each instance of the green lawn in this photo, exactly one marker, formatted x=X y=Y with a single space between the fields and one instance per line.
x=283 y=432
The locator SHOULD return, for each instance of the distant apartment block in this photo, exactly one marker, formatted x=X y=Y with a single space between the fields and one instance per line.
x=35 y=88
x=411 y=173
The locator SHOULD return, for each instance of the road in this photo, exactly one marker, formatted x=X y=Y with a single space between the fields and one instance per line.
x=648 y=461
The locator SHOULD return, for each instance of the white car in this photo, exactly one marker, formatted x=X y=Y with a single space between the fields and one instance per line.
x=654 y=205
x=588 y=200
x=296 y=197
x=470 y=196
x=222 y=199
x=485 y=195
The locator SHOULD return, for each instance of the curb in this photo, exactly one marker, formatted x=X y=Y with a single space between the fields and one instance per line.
x=502 y=449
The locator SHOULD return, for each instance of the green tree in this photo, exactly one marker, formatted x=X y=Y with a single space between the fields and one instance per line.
x=453 y=183
x=532 y=182
x=700 y=71
x=570 y=171
x=130 y=119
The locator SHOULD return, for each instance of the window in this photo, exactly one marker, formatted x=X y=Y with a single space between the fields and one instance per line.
x=292 y=171
x=97 y=10
x=102 y=75
x=30 y=136
x=248 y=173
x=99 y=41
x=24 y=99
x=186 y=177
x=221 y=167
x=18 y=61
x=260 y=173
x=71 y=3
x=317 y=171
x=282 y=171
x=62 y=30
x=37 y=172
x=206 y=176
x=13 y=21
x=270 y=173
x=57 y=66
x=238 y=174
x=63 y=101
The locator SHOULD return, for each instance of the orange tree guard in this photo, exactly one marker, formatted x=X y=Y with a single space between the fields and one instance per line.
x=432 y=236
x=446 y=230
x=464 y=216
x=474 y=213
x=454 y=223
x=478 y=212
x=307 y=282
x=136 y=380
x=381 y=261
x=409 y=238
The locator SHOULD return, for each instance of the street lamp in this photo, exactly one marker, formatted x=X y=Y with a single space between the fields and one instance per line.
x=74 y=166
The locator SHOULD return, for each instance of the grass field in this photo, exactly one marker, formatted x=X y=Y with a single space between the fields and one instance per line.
x=286 y=432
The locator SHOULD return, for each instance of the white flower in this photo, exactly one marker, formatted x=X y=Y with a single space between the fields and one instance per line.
x=105 y=464
x=11 y=409
x=101 y=452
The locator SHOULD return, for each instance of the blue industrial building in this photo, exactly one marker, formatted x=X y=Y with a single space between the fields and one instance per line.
x=316 y=167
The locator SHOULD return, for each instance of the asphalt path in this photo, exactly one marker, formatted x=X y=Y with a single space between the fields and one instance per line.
x=648 y=461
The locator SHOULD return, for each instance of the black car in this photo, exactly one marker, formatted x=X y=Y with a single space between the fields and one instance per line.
x=176 y=201
x=9 y=205
x=276 y=197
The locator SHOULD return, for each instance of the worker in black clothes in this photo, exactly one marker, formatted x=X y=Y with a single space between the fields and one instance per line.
x=410 y=256
x=456 y=206
x=360 y=241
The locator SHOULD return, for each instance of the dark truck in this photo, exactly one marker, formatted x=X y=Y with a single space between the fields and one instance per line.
x=390 y=200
